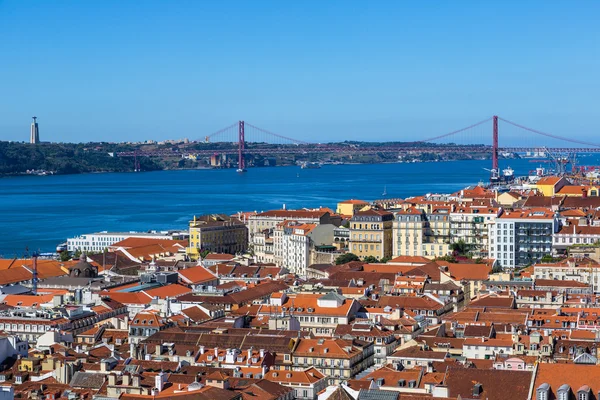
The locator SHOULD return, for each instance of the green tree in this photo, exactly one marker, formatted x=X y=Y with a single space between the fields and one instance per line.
x=65 y=256
x=548 y=259
x=346 y=258
x=204 y=253
x=385 y=259
x=447 y=258
x=371 y=259
x=460 y=247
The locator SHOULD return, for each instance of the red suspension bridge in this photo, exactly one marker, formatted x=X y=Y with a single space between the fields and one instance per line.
x=244 y=139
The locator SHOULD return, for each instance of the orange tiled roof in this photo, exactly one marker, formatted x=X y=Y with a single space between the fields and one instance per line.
x=196 y=275
x=549 y=180
x=172 y=290
x=23 y=300
x=532 y=213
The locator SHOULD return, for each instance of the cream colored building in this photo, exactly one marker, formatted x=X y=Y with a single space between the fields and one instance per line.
x=416 y=233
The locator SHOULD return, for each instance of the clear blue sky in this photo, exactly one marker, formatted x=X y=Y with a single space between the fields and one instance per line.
x=321 y=70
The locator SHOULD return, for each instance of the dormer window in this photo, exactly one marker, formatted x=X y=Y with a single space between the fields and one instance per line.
x=541 y=392
x=583 y=393
x=563 y=392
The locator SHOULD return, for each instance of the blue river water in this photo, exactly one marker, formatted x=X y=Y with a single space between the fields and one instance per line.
x=39 y=212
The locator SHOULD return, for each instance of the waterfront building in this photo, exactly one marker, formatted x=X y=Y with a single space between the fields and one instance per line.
x=217 y=233
x=99 y=241
x=34 y=135
x=522 y=237
x=371 y=233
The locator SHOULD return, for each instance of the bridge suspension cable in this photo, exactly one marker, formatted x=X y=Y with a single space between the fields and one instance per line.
x=453 y=132
x=234 y=125
x=276 y=135
x=549 y=134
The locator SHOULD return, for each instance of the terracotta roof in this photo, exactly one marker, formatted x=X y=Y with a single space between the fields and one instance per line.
x=171 y=290
x=574 y=229
x=416 y=352
x=290 y=214
x=494 y=383
x=410 y=302
x=22 y=300
x=129 y=298
x=353 y=201
x=532 y=213
x=559 y=283
x=549 y=180
x=195 y=314
x=574 y=375
x=196 y=275
x=493 y=301
x=327 y=348
x=470 y=272
x=409 y=259
x=307 y=377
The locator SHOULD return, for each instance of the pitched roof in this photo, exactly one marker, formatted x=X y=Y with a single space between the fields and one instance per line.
x=171 y=290
x=494 y=383
x=574 y=375
x=470 y=272
x=196 y=275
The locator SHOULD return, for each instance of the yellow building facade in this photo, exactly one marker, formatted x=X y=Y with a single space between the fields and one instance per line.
x=216 y=233
x=349 y=207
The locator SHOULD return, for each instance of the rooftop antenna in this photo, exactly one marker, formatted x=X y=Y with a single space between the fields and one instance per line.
x=34 y=276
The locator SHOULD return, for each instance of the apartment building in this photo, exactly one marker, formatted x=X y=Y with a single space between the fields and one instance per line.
x=99 y=241
x=420 y=233
x=470 y=224
x=575 y=234
x=320 y=314
x=338 y=359
x=270 y=219
x=582 y=270
x=409 y=230
x=263 y=246
x=217 y=233
x=522 y=237
x=293 y=240
x=371 y=233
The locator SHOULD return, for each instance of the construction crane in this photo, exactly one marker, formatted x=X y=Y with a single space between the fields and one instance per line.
x=561 y=160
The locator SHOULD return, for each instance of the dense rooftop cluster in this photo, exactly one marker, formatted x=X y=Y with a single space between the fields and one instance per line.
x=477 y=294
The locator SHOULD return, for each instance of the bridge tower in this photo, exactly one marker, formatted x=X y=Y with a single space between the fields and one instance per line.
x=241 y=147
x=495 y=146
